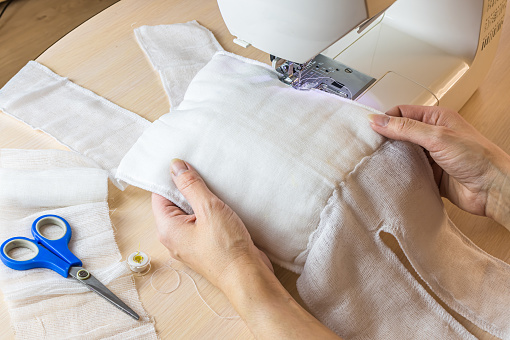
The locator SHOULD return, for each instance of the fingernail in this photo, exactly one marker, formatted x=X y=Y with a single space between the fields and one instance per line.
x=379 y=120
x=178 y=166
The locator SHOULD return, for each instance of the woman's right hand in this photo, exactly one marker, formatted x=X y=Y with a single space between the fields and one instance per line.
x=471 y=171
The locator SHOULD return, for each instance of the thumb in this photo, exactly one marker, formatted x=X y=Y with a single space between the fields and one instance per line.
x=402 y=128
x=190 y=184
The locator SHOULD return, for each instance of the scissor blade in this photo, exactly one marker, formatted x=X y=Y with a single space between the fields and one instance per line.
x=94 y=285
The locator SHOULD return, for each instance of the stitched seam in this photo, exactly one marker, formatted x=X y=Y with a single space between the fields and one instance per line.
x=429 y=300
x=313 y=236
x=444 y=294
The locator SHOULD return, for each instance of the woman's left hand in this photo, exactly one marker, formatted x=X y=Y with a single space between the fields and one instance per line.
x=211 y=240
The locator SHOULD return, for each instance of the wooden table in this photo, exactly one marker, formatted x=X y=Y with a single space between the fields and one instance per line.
x=103 y=56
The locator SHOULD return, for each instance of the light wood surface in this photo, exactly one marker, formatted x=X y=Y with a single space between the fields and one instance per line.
x=28 y=27
x=103 y=56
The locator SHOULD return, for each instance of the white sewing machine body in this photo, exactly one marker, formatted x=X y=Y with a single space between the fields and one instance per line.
x=423 y=52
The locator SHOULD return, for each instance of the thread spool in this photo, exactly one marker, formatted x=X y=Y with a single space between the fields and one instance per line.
x=139 y=262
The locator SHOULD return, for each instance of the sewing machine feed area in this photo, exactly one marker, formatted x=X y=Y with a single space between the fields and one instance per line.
x=328 y=75
x=422 y=52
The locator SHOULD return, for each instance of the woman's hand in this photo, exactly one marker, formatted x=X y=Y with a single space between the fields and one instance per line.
x=209 y=241
x=471 y=171
x=215 y=243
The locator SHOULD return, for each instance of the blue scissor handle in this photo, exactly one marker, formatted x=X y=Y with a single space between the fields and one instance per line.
x=47 y=253
x=42 y=257
x=60 y=246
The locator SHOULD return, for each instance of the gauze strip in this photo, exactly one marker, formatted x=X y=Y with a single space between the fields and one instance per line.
x=76 y=117
x=251 y=136
x=315 y=186
x=177 y=52
x=359 y=287
x=41 y=303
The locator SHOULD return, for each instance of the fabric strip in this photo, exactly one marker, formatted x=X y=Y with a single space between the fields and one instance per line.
x=177 y=52
x=370 y=294
x=76 y=117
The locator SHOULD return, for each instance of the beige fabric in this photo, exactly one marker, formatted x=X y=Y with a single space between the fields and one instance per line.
x=355 y=284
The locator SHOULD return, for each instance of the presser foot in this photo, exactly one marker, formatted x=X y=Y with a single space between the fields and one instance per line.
x=324 y=74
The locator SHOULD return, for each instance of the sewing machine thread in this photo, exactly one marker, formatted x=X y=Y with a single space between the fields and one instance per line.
x=177 y=272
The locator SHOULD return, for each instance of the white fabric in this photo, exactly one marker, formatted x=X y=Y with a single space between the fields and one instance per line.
x=177 y=52
x=274 y=142
x=315 y=186
x=41 y=303
x=78 y=118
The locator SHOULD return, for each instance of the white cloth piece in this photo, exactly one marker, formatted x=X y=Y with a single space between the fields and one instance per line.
x=41 y=303
x=355 y=283
x=17 y=182
x=177 y=52
x=296 y=167
x=76 y=117
x=274 y=143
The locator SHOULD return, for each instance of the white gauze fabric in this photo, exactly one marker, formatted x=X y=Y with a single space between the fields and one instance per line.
x=315 y=186
x=267 y=136
x=358 y=287
x=177 y=52
x=41 y=303
x=76 y=117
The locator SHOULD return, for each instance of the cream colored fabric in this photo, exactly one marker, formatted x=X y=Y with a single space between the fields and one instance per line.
x=43 y=304
x=355 y=283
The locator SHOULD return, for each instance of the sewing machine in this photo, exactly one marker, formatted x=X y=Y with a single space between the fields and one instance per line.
x=378 y=52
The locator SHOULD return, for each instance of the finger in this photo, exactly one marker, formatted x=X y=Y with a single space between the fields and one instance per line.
x=433 y=115
x=190 y=184
x=405 y=129
x=163 y=207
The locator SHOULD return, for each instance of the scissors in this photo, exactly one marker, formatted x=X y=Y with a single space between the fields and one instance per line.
x=54 y=253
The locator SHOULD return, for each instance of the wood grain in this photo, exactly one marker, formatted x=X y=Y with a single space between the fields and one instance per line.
x=102 y=55
x=29 y=27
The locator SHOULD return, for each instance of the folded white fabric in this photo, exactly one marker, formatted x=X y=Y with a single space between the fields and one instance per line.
x=76 y=117
x=316 y=186
x=41 y=303
x=177 y=52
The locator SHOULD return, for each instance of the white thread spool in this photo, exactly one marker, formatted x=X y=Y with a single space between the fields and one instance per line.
x=139 y=262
